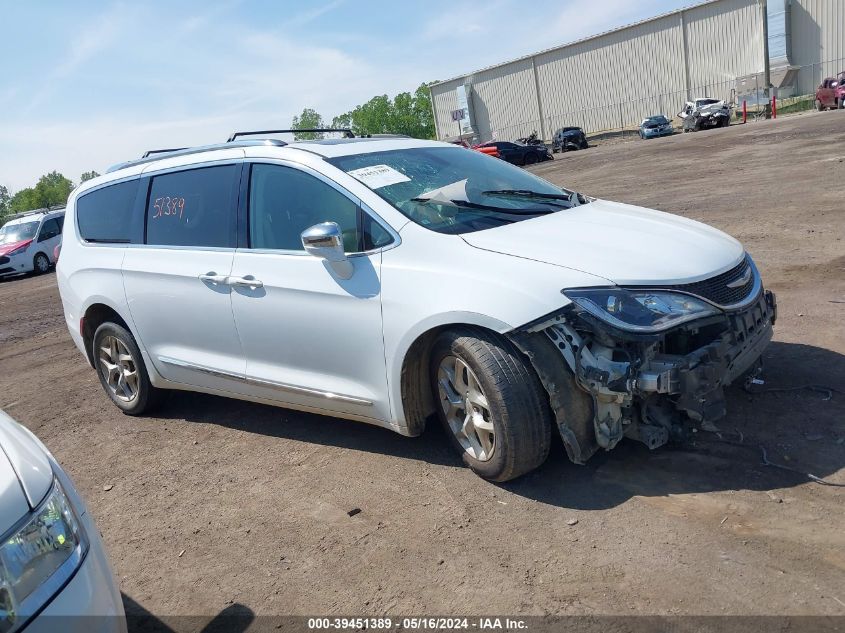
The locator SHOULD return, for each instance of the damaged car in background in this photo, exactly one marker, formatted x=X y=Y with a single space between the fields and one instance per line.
x=391 y=280
x=705 y=113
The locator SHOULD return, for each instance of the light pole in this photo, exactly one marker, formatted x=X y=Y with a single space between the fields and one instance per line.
x=767 y=77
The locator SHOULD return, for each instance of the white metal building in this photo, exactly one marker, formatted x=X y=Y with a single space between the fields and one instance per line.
x=615 y=79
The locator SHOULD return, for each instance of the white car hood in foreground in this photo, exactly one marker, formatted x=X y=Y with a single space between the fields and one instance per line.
x=626 y=245
x=25 y=473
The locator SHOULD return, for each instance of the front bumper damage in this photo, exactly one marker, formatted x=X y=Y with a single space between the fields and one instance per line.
x=605 y=384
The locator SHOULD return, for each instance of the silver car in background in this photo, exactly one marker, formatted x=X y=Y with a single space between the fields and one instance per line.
x=654 y=126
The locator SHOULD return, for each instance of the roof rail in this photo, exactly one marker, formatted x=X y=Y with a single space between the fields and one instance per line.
x=23 y=214
x=149 y=152
x=151 y=157
x=346 y=132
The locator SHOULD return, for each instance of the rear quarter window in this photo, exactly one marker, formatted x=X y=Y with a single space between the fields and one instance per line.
x=105 y=215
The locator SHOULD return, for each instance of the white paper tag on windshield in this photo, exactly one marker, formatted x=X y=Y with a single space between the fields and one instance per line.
x=379 y=176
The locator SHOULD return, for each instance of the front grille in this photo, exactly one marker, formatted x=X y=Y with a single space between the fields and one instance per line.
x=716 y=289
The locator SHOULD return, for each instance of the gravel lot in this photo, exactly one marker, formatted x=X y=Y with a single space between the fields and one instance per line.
x=257 y=497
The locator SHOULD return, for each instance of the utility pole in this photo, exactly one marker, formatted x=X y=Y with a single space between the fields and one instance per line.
x=767 y=76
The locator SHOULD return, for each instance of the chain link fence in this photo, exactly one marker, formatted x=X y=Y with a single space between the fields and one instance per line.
x=623 y=118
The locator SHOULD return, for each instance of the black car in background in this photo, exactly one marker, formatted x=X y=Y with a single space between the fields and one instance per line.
x=568 y=139
x=519 y=153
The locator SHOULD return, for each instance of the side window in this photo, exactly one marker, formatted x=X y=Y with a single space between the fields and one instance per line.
x=105 y=215
x=283 y=202
x=49 y=230
x=193 y=208
x=374 y=235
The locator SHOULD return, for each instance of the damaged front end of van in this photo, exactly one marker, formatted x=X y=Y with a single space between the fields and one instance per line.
x=648 y=363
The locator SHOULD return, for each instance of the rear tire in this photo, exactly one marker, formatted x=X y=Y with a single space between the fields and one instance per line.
x=40 y=264
x=508 y=432
x=120 y=368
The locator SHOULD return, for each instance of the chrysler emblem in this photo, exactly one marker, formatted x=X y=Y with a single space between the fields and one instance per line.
x=737 y=283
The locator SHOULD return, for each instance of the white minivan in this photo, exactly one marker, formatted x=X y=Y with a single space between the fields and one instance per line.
x=387 y=280
x=28 y=242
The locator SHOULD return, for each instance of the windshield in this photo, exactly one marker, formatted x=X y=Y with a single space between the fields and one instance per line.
x=659 y=120
x=11 y=233
x=455 y=190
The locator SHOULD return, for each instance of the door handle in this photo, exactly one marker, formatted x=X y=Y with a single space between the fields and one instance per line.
x=213 y=278
x=245 y=282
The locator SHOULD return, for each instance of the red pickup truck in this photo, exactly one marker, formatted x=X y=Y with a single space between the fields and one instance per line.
x=831 y=93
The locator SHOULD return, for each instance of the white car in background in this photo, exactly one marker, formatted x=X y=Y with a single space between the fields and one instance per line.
x=54 y=574
x=386 y=280
x=704 y=113
x=28 y=242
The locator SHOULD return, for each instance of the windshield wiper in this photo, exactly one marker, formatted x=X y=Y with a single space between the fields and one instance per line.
x=527 y=193
x=483 y=207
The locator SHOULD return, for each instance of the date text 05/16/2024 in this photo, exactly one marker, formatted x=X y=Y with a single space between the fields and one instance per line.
x=419 y=623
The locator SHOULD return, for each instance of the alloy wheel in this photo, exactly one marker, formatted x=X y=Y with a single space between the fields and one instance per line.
x=466 y=408
x=118 y=368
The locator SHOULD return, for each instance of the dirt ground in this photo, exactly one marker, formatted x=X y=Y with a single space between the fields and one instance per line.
x=257 y=497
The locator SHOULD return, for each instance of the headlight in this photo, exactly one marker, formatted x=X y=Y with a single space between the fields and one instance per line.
x=640 y=310
x=38 y=557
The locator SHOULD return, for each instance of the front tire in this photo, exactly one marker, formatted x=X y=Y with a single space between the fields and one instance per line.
x=120 y=368
x=491 y=403
x=40 y=264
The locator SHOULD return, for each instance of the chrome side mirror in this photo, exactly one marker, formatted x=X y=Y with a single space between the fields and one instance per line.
x=325 y=241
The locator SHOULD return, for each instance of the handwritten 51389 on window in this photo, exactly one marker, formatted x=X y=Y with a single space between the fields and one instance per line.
x=169 y=207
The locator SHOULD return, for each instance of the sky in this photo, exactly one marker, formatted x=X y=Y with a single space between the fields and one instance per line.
x=84 y=85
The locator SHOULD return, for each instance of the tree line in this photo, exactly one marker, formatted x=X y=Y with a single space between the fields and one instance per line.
x=407 y=113
x=51 y=190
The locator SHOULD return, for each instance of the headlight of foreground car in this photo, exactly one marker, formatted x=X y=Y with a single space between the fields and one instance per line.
x=38 y=557
x=643 y=311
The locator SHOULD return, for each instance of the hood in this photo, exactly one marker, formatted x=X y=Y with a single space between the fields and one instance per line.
x=8 y=248
x=626 y=245
x=25 y=472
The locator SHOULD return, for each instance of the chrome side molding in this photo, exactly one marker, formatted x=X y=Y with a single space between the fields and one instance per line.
x=260 y=382
x=219 y=373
